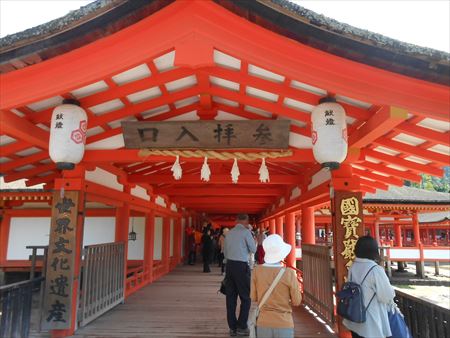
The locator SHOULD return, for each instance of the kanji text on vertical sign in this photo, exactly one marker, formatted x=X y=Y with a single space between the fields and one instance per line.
x=348 y=225
x=254 y=134
x=60 y=261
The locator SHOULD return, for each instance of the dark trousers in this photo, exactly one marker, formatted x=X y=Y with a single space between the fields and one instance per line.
x=206 y=261
x=238 y=284
x=191 y=258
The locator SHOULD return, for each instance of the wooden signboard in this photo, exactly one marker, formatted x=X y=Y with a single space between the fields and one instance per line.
x=347 y=220
x=251 y=134
x=347 y=225
x=60 y=262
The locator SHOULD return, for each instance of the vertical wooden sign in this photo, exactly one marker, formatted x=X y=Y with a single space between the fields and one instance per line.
x=60 y=262
x=347 y=222
x=347 y=227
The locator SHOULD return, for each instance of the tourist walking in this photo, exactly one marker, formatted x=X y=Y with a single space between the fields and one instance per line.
x=239 y=244
x=275 y=316
x=376 y=289
x=260 y=237
x=207 y=249
x=191 y=247
x=221 y=246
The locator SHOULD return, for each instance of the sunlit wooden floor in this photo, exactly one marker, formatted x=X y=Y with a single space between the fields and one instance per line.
x=183 y=303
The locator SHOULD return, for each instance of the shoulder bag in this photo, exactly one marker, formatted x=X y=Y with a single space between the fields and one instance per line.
x=254 y=315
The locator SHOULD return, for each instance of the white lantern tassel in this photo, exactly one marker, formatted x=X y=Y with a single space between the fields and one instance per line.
x=235 y=172
x=176 y=169
x=205 y=173
x=264 y=172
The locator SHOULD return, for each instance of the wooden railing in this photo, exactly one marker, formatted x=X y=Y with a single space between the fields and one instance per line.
x=318 y=281
x=15 y=302
x=425 y=319
x=103 y=280
x=135 y=279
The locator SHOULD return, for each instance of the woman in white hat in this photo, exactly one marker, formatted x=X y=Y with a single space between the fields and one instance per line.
x=275 y=316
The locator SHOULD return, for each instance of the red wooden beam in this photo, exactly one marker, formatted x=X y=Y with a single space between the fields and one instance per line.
x=387 y=180
x=374 y=184
x=424 y=133
x=414 y=151
x=12 y=148
x=17 y=175
x=215 y=179
x=131 y=156
x=22 y=130
x=223 y=190
x=220 y=200
x=417 y=167
x=281 y=89
x=392 y=172
x=5 y=167
x=378 y=125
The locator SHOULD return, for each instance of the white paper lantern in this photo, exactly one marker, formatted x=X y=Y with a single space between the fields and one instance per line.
x=68 y=134
x=329 y=133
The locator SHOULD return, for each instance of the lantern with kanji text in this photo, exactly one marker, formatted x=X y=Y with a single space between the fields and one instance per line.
x=67 y=134
x=329 y=133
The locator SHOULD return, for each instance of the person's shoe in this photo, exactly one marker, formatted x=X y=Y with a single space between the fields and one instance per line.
x=243 y=332
x=233 y=333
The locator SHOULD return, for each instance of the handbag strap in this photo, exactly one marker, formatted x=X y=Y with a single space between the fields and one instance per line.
x=272 y=286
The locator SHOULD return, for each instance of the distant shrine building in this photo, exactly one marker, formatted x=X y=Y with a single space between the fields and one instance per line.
x=125 y=123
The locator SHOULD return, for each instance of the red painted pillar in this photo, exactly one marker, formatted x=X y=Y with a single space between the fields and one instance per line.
x=272 y=227
x=280 y=226
x=290 y=238
x=377 y=229
x=149 y=244
x=420 y=266
x=308 y=228
x=4 y=236
x=416 y=229
x=398 y=235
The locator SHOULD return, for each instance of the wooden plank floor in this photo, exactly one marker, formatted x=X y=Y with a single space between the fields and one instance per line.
x=183 y=303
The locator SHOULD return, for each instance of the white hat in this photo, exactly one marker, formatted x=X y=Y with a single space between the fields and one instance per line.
x=275 y=249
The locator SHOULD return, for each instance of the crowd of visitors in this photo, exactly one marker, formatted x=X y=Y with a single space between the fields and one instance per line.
x=254 y=271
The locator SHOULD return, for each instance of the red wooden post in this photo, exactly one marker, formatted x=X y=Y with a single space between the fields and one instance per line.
x=290 y=238
x=398 y=235
x=122 y=229
x=280 y=226
x=149 y=243
x=4 y=236
x=377 y=228
x=272 y=226
x=308 y=226
x=420 y=266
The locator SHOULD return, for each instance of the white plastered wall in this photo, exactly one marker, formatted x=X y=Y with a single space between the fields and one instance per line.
x=26 y=231
x=136 y=248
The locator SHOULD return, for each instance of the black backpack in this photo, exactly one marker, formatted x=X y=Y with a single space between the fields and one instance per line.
x=351 y=301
